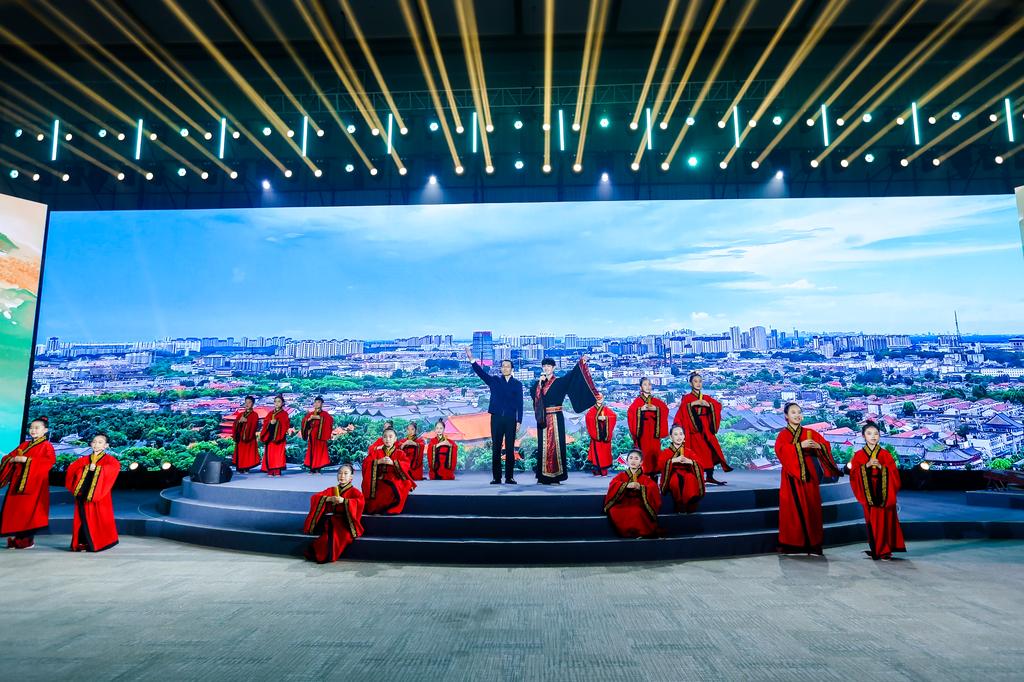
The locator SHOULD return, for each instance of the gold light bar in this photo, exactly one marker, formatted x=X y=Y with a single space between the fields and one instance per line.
x=474 y=83
x=435 y=46
x=549 y=48
x=21 y=120
x=1016 y=109
x=692 y=64
x=673 y=60
x=365 y=47
x=595 y=59
x=421 y=56
x=588 y=42
x=666 y=24
x=474 y=39
x=29 y=160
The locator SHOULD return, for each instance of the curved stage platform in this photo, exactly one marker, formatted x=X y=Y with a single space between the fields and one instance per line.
x=470 y=521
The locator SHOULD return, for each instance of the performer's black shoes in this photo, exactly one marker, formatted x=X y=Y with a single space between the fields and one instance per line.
x=512 y=481
x=496 y=481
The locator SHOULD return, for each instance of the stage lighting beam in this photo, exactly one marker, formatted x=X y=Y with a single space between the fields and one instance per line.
x=549 y=47
x=357 y=31
x=435 y=46
x=659 y=45
x=595 y=60
x=470 y=47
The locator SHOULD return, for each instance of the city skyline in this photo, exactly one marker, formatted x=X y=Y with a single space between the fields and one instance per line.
x=806 y=263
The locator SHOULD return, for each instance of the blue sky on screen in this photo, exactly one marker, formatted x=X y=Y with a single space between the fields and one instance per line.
x=592 y=268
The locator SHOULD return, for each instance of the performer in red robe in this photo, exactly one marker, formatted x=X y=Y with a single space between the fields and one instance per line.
x=247 y=424
x=806 y=458
x=875 y=478
x=442 y=454
x=681 y=474
x=633 y=500
x=648 y=424
x=26 y=473
x=90 y=478
x=601 y=429
x=274 y=436
x=700 y=416
x=413 y=448
x=549 y=393
x=317 y=426
x=380 y=439
x=335 y=515
x=386 y=482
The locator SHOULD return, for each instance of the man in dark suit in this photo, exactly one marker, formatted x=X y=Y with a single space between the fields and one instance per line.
x=506 y=410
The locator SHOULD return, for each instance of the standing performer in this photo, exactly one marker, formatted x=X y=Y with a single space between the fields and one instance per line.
x=875 y=478
x=681 y=473
x=700 y=416
x=274 y=434
x=442 y=454
x=386 y=482
x=548 y=393
x=380 y=439
x=316 y=430
x=335 y=514
x=247 y=423
x=633 y=500
x=413 y=448
x=90 y=478
x=648 y=424
x=806 y=458
x=26 y=473
x=506 y=410
x=601 y=429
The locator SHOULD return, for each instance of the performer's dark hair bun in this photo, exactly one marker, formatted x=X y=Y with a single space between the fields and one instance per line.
x=389 y=429
x=869 y=425
x=45 y=421
x=693 y=374
x=346 y=466
x=440 y=421
x=319 y=397
x=547 y=361
x=785 y=410
x=100 y=434
x=643 y=379
x=677 y=426
x=249 y=397
x=279 y=395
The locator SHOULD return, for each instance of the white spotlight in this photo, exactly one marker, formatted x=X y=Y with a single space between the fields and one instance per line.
x=519 y=164
x=403 y=170
x=633 y=125
x=900 y=120
x=866 y=118
x=204 y=175
x=373 y=171
x=814 y=163
x=319 y=173
x=489 y=169
x=432 y=180
x=350 y=128
x=936 y=161
x=518 y=124
x=403 y=131
x=999 y=160
x=149 y=175
x=184 y=132
x=545 y=127
x=320 y=132
x=546 y=168
x=181 y=172
x=290 y=133
x=604 y=177
x=956 y=116
x=779 y=175
x=35 y=177
x=459 y=170
x=576 y=127
x=754 y=164
x=65 y=177
x=233 y=175
x=489 y=127
x=993 y=117
x=721 y=124
x=433 y=126
x=634 y=166
x=287 y=172
x=349 y=167
x=810 y=122
x=776 y=120
x=266 y=185
x=869 y=157
x=206 y=136
x=752 y=123
x=840 y=122
x=69 y=137
x=120 y=176
x=723 y=165
x=102 y=133
x=931 y=120
x=152 y=136
x=375 y=131
x=904 y=162
x=576 y=167
x=664 y=165
x=845 y=163
x=690 y=120
x=267 y=131
x=663 y=125
x=120 y=137
x=40 y=137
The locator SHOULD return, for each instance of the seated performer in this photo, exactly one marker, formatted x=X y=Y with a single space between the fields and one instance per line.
x=633 y=500
x=274 y=436
x=681 y=473
x=317 y=426
x=247 y=424
x=700 y=416
x=601 y=429
x=442 y=454
x=335 y=514
x=806 y=458
x=386 y=482
x=648 y=424
x=413 y=447
x=875 y=479
x=90 y=478
x=26 y=473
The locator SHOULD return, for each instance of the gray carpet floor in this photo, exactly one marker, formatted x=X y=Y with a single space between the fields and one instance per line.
x=158 y=610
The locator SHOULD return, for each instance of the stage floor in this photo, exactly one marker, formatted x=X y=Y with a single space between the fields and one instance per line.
x=479 y=483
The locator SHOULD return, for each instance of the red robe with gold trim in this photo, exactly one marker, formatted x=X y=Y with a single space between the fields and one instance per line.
x=317 y=434
x=336 y=524
x=875 y=488
x=413 y=449
x=94 y=528
x=800 y=523
x=633 y=513
x=684 y=482
x=246 y=455
x=601 y=432
x=26 y=506
x=701 y=426
x=648 y=427
x=442 y=457
x=386 y=486
x=274 y=436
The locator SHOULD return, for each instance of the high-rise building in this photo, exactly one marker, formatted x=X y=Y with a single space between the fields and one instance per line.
x=52 y=345
x=483 y=347
x=758 y=338
x=572 y=342
x=734 y=334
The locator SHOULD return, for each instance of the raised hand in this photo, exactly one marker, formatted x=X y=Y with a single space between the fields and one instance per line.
x=469 y=353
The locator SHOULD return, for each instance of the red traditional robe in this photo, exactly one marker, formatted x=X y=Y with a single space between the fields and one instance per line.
x=274 y=436
x=701 y=426
x=875 y=488
x=336 y=524
x=442 y=456
x=413 y=449
x=648 y=427
x=601 y=431
x=633 y=513
x=684 y=482
x=26 y=507
x=386 y=487
x=246 y=455
x=94 y=529
x=800 y=523
x=317 y=433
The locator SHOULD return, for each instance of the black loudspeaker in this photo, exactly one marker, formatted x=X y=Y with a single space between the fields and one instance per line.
x=210 y=468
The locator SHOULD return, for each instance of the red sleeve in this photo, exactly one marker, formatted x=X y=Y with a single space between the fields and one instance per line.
x=42 y=462
x=355 y=504
x=717 y=409
x=285 y=424
x=681 y=413
x=317 y=509
x=894 y=476
x=858 y=461
x=633 y=417
x=74 y=473
x=616 y=488
x=328 y=426
x=591 y=419
x=265 y=429
x=786 y=453
x=653 y=493
x=109 y=468
x=663 y=418
x=828 y=464
x=612 y=420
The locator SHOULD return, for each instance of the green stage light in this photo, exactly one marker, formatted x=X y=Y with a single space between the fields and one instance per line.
x=519 y=164
x=183 y=132
x=433 y=126
x=349 y=168
x=181 y=172
x=692 y=162
x=776 y=120
x=869 y=157
x=603 y=122
x=518 y=124
x=267 y=131
x=14 y=173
